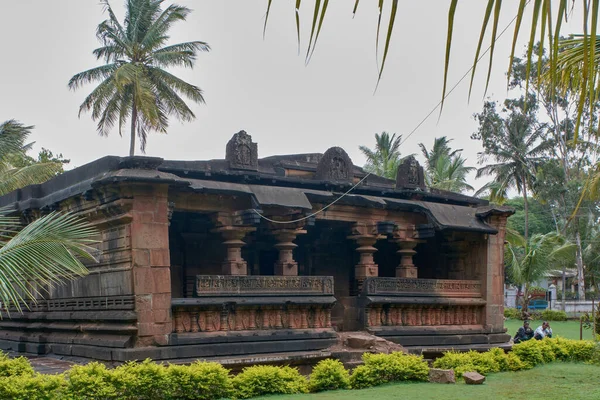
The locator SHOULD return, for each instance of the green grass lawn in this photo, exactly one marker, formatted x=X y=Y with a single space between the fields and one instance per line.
x=566 y=329
x=554 y=381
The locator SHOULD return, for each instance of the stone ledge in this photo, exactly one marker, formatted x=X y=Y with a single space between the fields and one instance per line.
x=249 y=336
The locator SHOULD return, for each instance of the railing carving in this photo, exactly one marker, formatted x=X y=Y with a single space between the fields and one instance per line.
x=223 y=285
x=422 y=287
x=422 y=315
x=245 y=303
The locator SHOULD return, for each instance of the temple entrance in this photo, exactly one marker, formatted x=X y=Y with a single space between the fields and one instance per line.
x=326 y=251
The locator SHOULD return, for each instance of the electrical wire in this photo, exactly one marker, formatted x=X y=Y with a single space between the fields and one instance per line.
x=402 y=142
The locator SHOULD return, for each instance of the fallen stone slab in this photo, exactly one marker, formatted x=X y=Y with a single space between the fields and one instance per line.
x=441 y=375
x=473 y=378
x=360 y=341
x=365 y=342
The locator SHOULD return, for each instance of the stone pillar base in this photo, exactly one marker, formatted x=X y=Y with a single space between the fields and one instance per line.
x=235 y=268
x=286 y=268
x=406 y=271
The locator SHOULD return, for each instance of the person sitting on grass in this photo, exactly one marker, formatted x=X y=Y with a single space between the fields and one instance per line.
x=543 y=331
x=524 y=333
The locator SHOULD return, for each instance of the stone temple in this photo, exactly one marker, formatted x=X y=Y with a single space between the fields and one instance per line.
x=231 y=257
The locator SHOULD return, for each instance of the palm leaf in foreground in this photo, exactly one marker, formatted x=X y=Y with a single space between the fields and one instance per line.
x=45 y=253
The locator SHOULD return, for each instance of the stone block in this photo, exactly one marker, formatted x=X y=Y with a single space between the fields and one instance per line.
x=441 y=375
x=152 y=280
x=160 y=258
x=147 y=329
x=140 y=257
x=162 y=212
x=145 y=204
x=162 y=280
x=360 y=341
x=473 y=378
x=161 y=301
x=143 y=281
x=144 y=217
x=143 y=303
x=161 y=316
x=149 y=236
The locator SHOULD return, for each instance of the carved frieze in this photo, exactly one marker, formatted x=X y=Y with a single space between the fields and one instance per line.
x=211 y=285
x=263 y=317
x=335 y=166
x=410 y=175
x=422 y=287
x=242 y=152
x=423 y=315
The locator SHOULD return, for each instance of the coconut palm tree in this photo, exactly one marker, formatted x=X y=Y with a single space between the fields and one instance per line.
x=450 y=173
x=441 y=146
x=385 y=158
x=133 y=83
x=13 y=146
x=517 y=147
x=45 y=252
x=529 y=261
x=445 y=168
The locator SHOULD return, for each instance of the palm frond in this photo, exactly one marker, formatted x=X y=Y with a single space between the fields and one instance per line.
x=16 y=178
x=45 y=252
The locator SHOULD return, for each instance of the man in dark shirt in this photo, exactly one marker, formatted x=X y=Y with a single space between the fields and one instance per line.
x=524 y=333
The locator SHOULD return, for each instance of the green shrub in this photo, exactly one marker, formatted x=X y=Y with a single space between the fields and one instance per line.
x=581 y=350
x=329 y=375
x=512 y=313
x=14 y=366
x=32 y=387
x=383 y=368
x=91 y=381
x=198 y=381
x=146 y=380
x=491 y=361
x=554 y=315
x=266 y=379
x=530 y=353
x=560 y=348
x=514 y=362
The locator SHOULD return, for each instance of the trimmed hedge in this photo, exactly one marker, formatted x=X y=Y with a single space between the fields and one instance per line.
x=329 y=375
x=208 y=380
x=383 y=368
x=554 y=315
x=524 y=355
x=259 y=380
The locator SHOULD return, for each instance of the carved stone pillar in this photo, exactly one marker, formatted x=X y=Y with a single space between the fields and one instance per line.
x=404 y=238
x=286 y=265
x=366 y=266
x=406 y=269
x=234 y=264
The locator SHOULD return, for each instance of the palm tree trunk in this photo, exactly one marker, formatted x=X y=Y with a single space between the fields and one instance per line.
x=579 y=261
x=526 y=209
x=133 y=125
x=525 y=307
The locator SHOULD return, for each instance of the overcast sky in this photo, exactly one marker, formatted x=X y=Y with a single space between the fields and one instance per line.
x=261 y=86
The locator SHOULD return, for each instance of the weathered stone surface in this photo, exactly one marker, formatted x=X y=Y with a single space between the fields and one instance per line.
x=242 y=152
x=410 y=175
x=441 y=375
x=360 y=341
x=367 y=342
x=335 y=165
x=473 y=378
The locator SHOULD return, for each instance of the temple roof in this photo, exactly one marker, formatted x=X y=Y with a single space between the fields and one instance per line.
x=265 y=187
x=294 y=181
